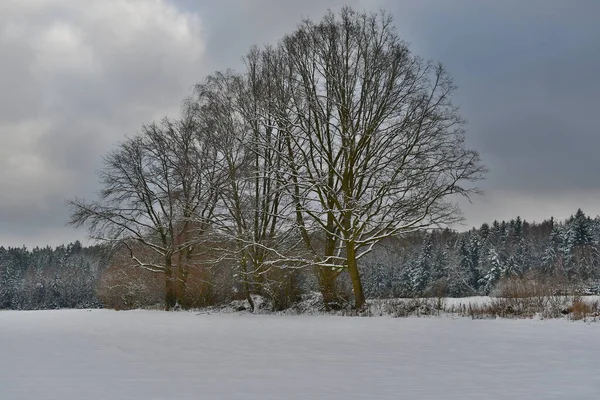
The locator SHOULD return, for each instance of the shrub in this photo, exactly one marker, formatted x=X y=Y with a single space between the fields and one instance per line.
x=580 y=309
x=283 y=287
x=206 y=286
x=124 y=288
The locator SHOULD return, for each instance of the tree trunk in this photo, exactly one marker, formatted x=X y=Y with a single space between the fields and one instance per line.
x=170 y=287
x=246 y=283
x=326 y=275
x=328 y=288
x=359 y=296
x=182 y=275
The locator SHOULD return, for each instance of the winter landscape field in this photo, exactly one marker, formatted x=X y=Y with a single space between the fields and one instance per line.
x=102 y=354
x=299 y=200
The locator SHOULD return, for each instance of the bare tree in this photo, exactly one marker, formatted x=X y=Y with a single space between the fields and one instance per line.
x=375 y=146
x=158 y=197
x=253 y=211
x=335 y=139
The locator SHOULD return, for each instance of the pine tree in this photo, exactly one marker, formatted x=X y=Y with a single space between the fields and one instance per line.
x=439 y=270
x=579 y=234
x=474 y=259
x=421 y=271
x=494 y=274
x=484 y=232
x=580 y=243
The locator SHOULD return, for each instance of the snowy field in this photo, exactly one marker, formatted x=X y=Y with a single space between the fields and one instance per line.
x=101 y=354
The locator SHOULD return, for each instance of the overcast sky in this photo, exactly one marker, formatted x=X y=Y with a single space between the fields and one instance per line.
x=77 y=76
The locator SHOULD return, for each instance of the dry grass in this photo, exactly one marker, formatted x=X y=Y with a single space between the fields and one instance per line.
x=571 y=307
x=525 y=297
x=584 y=310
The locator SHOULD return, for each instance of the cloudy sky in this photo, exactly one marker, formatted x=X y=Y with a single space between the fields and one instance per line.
x=76 y=76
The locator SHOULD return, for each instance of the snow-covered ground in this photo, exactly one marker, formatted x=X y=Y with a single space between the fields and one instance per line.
x=451 y=303
x=101 y=354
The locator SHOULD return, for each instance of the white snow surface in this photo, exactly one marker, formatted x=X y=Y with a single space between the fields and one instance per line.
x=102 y=354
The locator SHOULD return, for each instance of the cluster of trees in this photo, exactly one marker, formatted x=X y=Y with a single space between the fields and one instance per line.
x=448 y=263
x=438 y=262
x=42 y=278
x=326 y=144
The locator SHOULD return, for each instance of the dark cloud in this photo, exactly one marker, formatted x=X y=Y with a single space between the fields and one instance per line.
x=77 y=76
x=527 y=85
x=230 y=31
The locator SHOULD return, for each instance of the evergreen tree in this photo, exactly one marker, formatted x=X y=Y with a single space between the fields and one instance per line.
x=421 y=271
x=474 y=258
x=495 y=271
x=579 y=230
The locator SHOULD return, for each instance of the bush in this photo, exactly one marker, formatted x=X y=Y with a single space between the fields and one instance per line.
x=283 y=287
x=530 y=295
x=206 y=286
x=125 y=288
x=582 y=309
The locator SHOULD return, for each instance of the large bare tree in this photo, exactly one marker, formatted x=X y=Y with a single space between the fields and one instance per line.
x=254 y=212
x=375 y=147
x=336 y=138
x=158 y=196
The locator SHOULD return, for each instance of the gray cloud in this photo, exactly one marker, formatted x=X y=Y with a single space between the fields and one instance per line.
x=527 y=85
x=527 y=76
x=77 y=76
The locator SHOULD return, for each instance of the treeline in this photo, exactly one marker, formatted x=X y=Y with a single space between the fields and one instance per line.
x=434 y=263
x=48 y=278
x=448 y=263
